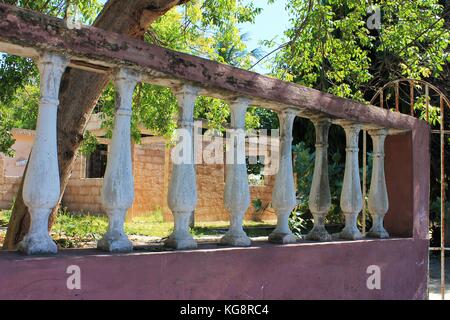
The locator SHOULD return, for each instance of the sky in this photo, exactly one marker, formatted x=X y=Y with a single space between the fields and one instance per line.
x=271 y=23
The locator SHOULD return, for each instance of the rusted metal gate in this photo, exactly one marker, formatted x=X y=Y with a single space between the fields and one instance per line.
x=423 y=100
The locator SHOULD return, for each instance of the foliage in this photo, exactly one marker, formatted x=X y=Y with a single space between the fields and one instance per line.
x=6 y=139
x=18 y=98
x=5 y=215
x=435 y=220
x=257 y=204
x=76 y=230
x=434 y=112
x=300 y=222
x=87 y=9
x=89 y=144
x=19 y=112
x=331 y=48
x=216 y=21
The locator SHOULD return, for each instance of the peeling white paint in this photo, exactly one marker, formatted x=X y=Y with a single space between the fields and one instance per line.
x=41 y=185
x=351 y=195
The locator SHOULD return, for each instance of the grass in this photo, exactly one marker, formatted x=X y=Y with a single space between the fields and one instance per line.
x=73 y=231
x=4 y=218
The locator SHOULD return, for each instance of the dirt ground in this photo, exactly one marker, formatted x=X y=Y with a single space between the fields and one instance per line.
x=435 y=278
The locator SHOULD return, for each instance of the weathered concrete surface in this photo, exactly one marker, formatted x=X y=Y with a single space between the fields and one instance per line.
x=237 y=192
x=41 y=183
x=378 y=202
x=182 y=195
x=335 y=270
x=283 y=195
x=320 y=196
x=23 y=32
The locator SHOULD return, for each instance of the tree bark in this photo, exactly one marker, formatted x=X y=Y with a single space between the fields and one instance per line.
x=79 y=93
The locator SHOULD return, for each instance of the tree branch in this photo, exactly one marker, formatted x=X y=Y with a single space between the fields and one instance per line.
x=293 y=40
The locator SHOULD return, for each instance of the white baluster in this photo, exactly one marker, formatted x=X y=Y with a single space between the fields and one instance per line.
x=118 y=183
x=237 y=192
x=320 y=197
x=378 y=202
x=283 y=194
x=182 y=196
x=351 y=195
x=42 y=186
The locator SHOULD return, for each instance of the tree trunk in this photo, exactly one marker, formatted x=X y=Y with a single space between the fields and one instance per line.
x=79 y=93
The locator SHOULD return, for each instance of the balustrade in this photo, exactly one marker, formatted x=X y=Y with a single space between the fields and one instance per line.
x=42 y=186
x=351 y=194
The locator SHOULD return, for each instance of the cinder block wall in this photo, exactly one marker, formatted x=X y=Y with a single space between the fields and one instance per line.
x=149 y=179
x=82 y=195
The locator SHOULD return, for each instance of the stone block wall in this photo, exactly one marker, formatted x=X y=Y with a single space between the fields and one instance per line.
x=8 y=187
x=150 y=179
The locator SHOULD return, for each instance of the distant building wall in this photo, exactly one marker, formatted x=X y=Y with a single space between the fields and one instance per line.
x=83 y=194
x=12 y=168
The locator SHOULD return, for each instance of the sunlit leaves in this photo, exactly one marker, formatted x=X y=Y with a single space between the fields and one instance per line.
x=88 y=9
x=415 y=32
x=334 y=49
x=427 y=111
x=18 y=112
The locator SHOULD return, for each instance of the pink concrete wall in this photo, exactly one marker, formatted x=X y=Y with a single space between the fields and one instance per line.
x=399 y=218
x=336 y=270
x=407 y=168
